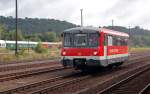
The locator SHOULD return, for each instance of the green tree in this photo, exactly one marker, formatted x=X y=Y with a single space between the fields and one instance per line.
x=12 y=34
x=49 y=36
x=39 y=48
x=2 y=31
x=34 y=25
x=33 y=37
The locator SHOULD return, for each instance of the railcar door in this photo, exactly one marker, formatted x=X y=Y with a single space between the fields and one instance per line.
x=105 y=63
x=109 y=45
x=108 y=42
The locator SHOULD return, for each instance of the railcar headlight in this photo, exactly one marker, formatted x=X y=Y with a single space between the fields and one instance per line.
x=64 y=53
x=95 y=52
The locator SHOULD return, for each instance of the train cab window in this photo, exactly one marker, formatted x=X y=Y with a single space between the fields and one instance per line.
x=93 y=40
x=80 y=40
x=68 y=39
x=110 y=41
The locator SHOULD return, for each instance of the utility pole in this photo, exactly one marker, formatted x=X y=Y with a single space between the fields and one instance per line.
x=16 y=35
x=129 y=36
x=28 y=37
x=129 y=31
x=112 y=22
x=81 y=17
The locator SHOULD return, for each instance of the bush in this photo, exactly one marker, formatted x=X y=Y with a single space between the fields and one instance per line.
x=21 y=52
x=39 y=48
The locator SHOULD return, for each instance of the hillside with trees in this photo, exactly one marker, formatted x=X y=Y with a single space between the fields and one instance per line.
x=33 y=28
x=36 y=29
x=32 y=25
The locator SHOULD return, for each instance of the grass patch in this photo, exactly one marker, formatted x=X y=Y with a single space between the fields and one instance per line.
x=139 y=49
x=4 y=50
x=24 y=55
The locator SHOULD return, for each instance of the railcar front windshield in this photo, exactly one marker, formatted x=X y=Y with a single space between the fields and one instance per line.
x=81 y=39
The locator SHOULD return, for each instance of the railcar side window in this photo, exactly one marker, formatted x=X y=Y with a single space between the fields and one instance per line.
x=125 y=41
x=93 y=40
x=120 y=41
x=110 y=41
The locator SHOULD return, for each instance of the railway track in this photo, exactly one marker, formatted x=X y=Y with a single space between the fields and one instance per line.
x=28 y=89
x=25 y=73
x=145 y=90
x=54 y=85
x=130 y=85
x=17 y=66
x=44 y=87
x=96 y=85
x=40 y=82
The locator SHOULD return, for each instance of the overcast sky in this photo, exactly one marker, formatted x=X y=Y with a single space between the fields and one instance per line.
x=95 y=12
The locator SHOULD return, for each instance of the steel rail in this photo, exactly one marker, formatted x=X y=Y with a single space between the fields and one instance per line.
x=55 y=86
x=31 y=85
x=48 y=89
x=12 y=76
x=145 y=89
x=127 y=79
x=99 y=84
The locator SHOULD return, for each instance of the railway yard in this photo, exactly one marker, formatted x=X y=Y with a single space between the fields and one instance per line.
x=74 y=47
x=49 y=77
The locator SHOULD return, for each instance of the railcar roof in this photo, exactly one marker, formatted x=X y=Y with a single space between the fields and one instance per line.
x=2 y=41
x=22 y=42
x=109 y=31
x=82 y=29
x=95 y=29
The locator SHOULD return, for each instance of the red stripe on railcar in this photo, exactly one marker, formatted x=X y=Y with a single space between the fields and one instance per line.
x=113 y=50
x=82 y=51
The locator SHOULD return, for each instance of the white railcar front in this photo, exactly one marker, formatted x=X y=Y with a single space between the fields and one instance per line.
x=2 y=44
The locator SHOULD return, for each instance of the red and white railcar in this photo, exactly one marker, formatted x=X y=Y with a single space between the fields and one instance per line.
x=88 y=47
